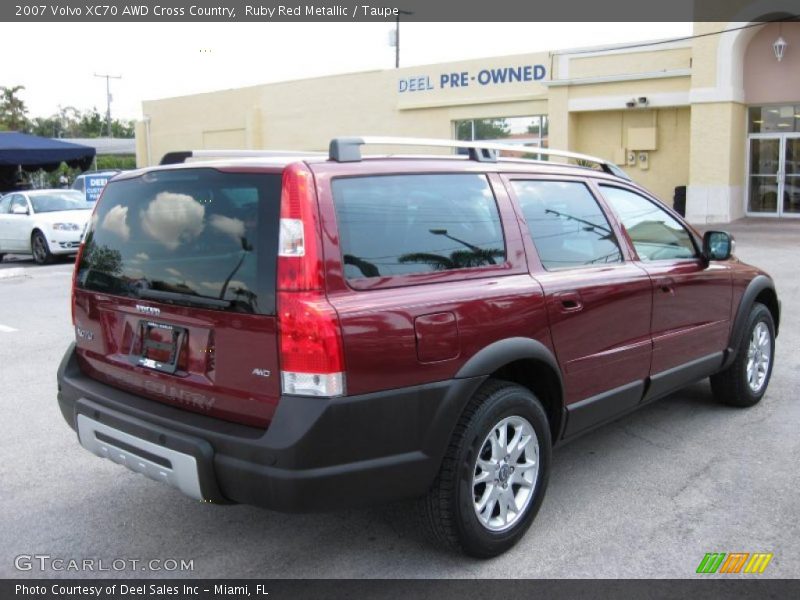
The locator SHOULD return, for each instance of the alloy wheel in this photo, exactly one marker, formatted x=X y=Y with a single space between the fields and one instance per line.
x=505 y=473
x=759 y=355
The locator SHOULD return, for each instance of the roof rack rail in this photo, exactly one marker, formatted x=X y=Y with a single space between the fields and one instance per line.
x=174 y=158
x=348 y=149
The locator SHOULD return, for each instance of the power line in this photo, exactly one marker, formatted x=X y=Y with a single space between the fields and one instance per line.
x=681 y=39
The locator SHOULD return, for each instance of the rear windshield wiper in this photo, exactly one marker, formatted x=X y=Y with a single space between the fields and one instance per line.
x=195 y=299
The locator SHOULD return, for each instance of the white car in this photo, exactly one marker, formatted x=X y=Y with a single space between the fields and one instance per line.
x=43 y=223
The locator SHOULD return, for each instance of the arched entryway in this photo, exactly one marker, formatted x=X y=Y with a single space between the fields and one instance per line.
x=772 y=93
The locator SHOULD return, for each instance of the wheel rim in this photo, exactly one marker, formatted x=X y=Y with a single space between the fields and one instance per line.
x=505 y=473
x=759 y=354
x=39 y=252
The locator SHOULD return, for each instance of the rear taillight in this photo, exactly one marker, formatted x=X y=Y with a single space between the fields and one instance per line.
x=311 y=353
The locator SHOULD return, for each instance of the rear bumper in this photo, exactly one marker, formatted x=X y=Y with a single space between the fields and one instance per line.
x=316 y=454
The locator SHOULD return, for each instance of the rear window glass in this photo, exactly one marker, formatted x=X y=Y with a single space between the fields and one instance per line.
x=405 y=224
x=196 y=237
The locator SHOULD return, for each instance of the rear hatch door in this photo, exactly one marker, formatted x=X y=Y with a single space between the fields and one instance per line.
x=175 y=291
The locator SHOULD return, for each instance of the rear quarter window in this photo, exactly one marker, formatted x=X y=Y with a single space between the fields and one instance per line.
x=405 y=224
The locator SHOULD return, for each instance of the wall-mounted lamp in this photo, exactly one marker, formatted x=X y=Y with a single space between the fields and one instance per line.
x=779 y=47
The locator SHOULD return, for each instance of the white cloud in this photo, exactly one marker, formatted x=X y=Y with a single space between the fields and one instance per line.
x=228 y=225
x=116 y=222
x=172 y=219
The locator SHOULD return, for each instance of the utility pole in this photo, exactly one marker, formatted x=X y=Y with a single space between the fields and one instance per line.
x=108 y=79
x=396 y=37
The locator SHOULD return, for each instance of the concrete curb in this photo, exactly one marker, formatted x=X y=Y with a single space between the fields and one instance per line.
x=12 y=272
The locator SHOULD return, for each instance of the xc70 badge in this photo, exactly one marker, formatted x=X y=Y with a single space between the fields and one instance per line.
x=148 y=310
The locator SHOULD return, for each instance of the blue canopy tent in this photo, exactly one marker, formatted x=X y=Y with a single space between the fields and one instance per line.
x=31 y=153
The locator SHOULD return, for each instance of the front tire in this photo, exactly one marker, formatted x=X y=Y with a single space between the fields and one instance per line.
x=745 y=381
x=40 y=249
x=494 y=474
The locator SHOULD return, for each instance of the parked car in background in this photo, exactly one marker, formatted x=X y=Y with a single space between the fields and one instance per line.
x=91 y=183
x=44 y=223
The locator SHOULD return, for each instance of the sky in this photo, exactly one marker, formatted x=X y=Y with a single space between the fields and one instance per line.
x=159 y=60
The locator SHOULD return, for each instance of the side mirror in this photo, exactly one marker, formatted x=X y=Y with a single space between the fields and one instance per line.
x=19 y=210
x=717 y=245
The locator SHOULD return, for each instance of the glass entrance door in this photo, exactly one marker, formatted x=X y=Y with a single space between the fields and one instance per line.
x=773 y=176
x=764 y=176
x=791 y=175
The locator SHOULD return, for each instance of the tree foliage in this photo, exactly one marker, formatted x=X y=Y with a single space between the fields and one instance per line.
x=68 y=122
x=485 y=129
x=13 y=112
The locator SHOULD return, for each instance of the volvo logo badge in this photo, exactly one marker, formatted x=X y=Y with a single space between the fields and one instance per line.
x=148 y=310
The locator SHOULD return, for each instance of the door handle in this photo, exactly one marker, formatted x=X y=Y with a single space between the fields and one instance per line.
x=569 y=302
x=666 y=285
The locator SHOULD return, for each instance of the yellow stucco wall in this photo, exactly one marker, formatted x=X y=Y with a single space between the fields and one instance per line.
x=704 y=54
x=300 y=114
x=718 y=136
x=603 y=133
x=215 y=120
x=306 y=114
x=634 y=62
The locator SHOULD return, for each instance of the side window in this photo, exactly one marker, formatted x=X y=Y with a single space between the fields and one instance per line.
x=403 y=224
x=5 y=205
x=655 y=234
x=566 y=224
x=18 y=200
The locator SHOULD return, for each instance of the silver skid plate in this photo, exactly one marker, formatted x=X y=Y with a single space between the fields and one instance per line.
x=156 y=462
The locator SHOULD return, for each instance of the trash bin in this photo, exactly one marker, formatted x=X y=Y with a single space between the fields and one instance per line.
x=679 y=200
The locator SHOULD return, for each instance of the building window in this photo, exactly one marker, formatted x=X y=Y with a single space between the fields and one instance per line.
x=516 y=130
x=774 y=119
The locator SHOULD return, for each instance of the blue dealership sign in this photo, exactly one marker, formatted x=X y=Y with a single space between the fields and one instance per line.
x=94 y=186
x=463 y=79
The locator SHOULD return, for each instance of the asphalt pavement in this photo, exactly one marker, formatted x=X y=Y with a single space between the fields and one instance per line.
x=646 y=496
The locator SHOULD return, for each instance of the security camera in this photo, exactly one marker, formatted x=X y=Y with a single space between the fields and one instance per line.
x=642 y=99
x=630 y=103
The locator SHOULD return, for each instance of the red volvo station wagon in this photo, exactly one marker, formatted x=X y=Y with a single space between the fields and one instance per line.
x=306 y=332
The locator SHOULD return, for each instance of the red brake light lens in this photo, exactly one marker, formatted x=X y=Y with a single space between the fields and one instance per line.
x=311 y=351
x=300 y=259
x=312 y=361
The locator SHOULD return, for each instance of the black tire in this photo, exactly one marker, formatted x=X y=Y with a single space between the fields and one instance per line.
x=2 y=256
x=448 y=511
x=732 y=385
x=40 y=249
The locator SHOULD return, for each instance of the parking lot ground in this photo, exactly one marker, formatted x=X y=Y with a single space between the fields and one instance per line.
x=646 y=496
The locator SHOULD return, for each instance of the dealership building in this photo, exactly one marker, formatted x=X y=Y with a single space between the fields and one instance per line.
x=715 y=117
